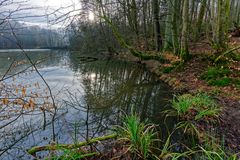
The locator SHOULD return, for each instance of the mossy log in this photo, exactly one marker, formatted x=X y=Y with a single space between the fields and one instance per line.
x=36 y=149
x=225 y=53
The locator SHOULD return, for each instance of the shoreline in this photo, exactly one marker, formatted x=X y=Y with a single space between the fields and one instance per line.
x=228 y=122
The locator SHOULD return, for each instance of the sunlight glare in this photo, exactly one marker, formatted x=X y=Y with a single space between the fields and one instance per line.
x=93 y=76
x=91 y=16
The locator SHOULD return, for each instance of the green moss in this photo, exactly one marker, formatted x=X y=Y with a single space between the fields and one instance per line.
x=216 y=76
x=221 y=82
x=215 y=72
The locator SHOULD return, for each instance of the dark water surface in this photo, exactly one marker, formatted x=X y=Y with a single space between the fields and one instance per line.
x=90 y=96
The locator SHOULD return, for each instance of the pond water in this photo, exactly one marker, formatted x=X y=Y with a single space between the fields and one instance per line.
x=90 y=93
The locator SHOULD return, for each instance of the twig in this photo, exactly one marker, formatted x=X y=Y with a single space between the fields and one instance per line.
x=34 y=66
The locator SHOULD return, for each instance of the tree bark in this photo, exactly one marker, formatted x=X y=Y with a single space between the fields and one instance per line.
x=184 y=37
x=157 y=34
x=200 y=18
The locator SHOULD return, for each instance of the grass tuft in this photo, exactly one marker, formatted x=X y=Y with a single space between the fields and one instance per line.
x=139 y=135
x=195 y=106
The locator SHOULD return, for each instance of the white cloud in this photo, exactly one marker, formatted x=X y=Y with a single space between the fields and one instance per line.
x=41 y=8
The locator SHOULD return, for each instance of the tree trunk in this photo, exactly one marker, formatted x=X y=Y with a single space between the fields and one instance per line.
x=175 y=29
x=184 y=37
x=144 y=3
x=157 y=34
x=200 y=18
x=168 y=28
x=223 y=10
x=134 y=15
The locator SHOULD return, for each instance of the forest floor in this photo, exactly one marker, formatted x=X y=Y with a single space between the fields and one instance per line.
x=186 y=78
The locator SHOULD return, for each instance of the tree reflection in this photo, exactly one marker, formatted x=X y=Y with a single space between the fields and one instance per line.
x=112 y=87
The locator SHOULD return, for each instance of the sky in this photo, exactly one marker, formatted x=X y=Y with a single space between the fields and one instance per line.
x=33 y=15
x=55 y=3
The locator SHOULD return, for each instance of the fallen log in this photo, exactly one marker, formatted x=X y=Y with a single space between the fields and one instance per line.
x=225 y=53
x=51 y=147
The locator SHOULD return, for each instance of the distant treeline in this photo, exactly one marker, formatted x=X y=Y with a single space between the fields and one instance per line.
x=30 y=37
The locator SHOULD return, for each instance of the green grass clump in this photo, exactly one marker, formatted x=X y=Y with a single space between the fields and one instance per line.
x=139 y=135
x=225 y=81
x=216 y=76
x=197 y=106
x=182 y=103
x=215 y=72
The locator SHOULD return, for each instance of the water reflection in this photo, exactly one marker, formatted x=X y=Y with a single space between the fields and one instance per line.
x=91 y=95
x=118 y=85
